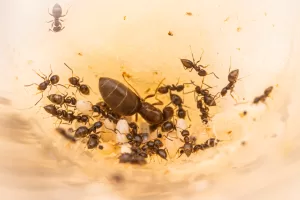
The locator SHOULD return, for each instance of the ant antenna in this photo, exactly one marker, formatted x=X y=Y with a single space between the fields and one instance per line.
x=131 y=85
x=229 y=65
x=69 y=68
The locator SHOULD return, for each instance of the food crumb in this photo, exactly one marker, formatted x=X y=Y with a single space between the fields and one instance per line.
x=238 y=29
x=227 y=19
x=124 y=17
x=189 y=13
x=170 y=33
x=80 y=54
x=30 y=62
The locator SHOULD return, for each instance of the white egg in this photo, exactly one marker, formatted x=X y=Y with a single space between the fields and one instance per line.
x=126 y=148
x=122 y=126
x=84 y=107
x=121 y=138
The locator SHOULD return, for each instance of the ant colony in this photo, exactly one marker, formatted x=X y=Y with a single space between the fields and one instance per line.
x=163 y=134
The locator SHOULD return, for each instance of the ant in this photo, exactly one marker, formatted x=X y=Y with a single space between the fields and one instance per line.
x=154 y=147
x=187 y=64
x=134 y=139
x=57 y=14
x=187 y=148
x=83 y=131
x=65 y=115
x=262 y=98
x=64 y=133
x=232 y=78
x=62 y=99
x=75 y=82
x=204 y=110
x=51 y=80
x=132 y=158
x=211 y=142
x=105 y=112
x=93 y=141
x=208 y=98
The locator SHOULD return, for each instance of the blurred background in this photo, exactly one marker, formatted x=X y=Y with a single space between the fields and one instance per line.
x=146 y=39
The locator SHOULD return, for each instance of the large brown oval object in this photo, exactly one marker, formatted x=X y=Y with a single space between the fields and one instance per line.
x=118 y=97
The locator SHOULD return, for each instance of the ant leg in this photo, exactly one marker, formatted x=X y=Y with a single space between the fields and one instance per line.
x=50 y=13
x=44 y=78
x=187 y=112
x=66 y=12
x=50 y=21
x=131 y=86
x=213 y=74
x=192 y=54
x=62 y=28
x=69 y=68
x=200 y=57
x=31 y=84
x=158 y=103
x=153 y=95
x=229 y=66
x=205 y=66
x=236 y=101
x=40 y=98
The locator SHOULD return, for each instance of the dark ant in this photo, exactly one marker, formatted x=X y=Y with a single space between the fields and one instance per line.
x=204 y=110
x=75 y=82
x=206 y=96
x=57 y=14
x=232 y=78
x=64 y=133
x=187 y=148
x=62 y=99
x=51 y=80
x=65 y=115
x=83 y=131
x=154 y=147
x=93 y=141
x=134 y=139
x=262 y=98
x=187 y=64
x=132 y=159
x=107 y=113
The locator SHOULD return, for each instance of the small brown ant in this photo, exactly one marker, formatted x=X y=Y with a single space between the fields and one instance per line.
x=187 y=64
x=65 y=115
x=93 y=141
x=75 y=82
x=57 y=14
x=83 y=131
x=51 y=80
x=262 y=98
x=187 y=148
x=204 y=110
x=232 y=78
x=62 y=99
